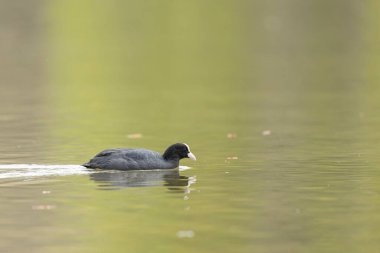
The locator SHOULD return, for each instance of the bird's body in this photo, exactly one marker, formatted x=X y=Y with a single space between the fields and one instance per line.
x=140 y=159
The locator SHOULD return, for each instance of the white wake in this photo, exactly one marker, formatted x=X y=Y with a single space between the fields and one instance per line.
x=37 y=170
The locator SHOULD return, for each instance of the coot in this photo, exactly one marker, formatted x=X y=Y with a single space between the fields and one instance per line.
x=140 y=159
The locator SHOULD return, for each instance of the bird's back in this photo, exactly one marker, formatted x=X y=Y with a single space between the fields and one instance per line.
x=129 y=159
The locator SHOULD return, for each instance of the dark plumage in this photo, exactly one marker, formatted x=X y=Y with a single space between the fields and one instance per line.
x=140 y=159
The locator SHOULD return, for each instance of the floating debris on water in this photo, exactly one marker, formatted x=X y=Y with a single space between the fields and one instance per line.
x=44 y=207
x=228 y=159
x=231 y=135
x=266 y=132
x=46 y=192
x=134 y=136
x=185 y=234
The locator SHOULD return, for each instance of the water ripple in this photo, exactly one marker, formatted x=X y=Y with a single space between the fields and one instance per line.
x=37 y=170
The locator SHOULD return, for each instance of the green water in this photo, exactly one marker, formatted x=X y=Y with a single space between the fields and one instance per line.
x=279 y=101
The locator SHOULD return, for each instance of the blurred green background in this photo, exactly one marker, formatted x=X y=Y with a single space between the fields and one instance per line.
x=278 y=99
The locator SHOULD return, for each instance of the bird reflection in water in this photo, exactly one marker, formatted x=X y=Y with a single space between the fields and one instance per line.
x=112 y=179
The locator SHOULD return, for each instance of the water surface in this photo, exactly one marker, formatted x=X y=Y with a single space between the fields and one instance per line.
x=277 y=99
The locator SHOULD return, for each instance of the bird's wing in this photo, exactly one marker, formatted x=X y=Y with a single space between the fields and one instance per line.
x=109 y=152
x=139 y=154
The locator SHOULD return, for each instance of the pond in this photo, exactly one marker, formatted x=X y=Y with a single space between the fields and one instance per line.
x=277 y=99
